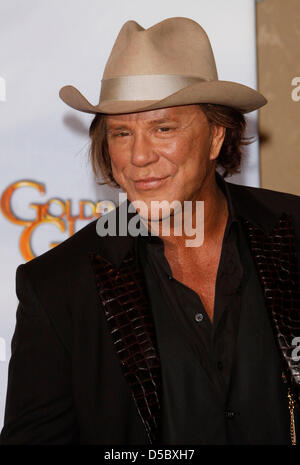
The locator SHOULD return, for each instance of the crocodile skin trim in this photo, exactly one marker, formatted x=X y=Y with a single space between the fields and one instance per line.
x=124 y=297
x=276 y=262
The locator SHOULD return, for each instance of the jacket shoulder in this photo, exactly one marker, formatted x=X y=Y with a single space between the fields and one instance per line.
x=68 y=252
x=275 y=201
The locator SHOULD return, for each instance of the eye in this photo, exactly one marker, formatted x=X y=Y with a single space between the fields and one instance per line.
x=164 y=129
x=118 y=134
x=122 y=134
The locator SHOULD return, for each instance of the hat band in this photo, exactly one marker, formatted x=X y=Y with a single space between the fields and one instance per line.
x=144 y=86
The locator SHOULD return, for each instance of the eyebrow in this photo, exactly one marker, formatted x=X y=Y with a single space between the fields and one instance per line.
x=161 y=120
x=110 y=125
x=115 y=128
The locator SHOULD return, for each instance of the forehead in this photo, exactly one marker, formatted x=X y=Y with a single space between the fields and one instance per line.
x=183 y=112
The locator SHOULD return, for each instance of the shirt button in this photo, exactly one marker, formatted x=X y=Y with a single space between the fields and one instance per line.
x=198 y=317
x=170 y=277
x=229 y=414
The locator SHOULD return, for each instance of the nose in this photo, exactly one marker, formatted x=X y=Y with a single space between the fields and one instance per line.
x=142 y=150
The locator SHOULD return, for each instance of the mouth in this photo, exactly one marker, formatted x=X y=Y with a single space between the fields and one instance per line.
x=149 y=183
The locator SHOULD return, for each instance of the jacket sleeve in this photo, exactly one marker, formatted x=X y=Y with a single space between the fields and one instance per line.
x=39 y=407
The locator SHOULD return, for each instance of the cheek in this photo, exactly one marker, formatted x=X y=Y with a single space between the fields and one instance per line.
x=199 y=152
x=189 y=154
x=118 y=160
x=193 y=162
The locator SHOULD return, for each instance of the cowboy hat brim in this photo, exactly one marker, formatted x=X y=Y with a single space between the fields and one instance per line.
x=243 y=98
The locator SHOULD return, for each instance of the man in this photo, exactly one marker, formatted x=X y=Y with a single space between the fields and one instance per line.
x=141 y=339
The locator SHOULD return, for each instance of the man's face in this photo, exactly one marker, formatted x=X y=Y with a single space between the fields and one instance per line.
x=162 y=154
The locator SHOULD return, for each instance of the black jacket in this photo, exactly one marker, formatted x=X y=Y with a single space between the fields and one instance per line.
x=79 y=373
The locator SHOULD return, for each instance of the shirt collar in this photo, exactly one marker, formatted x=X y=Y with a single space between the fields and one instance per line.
x=223 y=185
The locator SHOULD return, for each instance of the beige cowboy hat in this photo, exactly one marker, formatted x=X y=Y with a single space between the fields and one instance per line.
x=168 y=64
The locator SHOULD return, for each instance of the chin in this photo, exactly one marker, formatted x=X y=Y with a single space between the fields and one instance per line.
x=157 y=209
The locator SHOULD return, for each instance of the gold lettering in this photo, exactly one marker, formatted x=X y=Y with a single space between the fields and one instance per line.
x=82 y=204
x=59 y=202
x=43 y=214
x=5 y=202
x=25 y=239
x=70 y=219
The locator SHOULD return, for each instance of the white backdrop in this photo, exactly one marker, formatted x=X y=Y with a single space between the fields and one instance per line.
x=43 y=145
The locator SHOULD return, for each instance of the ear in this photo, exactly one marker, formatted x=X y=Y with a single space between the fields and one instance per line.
x=217 y=137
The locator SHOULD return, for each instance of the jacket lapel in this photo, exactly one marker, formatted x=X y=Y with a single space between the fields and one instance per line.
x=271 y=234
x=123 y=295
x=274 y=254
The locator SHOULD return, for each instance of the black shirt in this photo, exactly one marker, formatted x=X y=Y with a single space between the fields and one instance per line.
x=212 y=343
x=197 y=356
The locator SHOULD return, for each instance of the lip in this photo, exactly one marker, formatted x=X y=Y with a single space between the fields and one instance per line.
x=149 y=183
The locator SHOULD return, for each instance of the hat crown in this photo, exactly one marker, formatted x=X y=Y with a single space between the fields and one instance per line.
x=177 y=46
x=166 y=65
